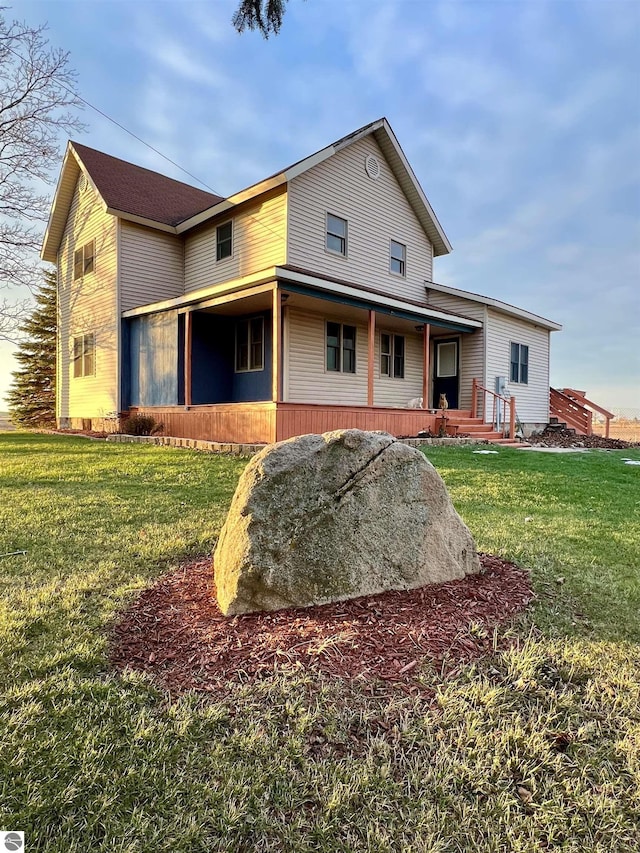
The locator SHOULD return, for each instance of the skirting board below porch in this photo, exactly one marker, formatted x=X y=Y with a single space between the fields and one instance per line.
x=258 y=423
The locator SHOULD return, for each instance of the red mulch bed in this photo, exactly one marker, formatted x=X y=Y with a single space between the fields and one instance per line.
x=176 y=632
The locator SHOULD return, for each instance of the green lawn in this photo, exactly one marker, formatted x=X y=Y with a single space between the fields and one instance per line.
x=536 y=749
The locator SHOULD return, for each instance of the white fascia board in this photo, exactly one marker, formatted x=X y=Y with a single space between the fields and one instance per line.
x=406 y=166
x=324 y=154
x=141 y=220
x=233 y=201
x=384 y=301
x=70 y=159
x=204 y=293
x=503 y=307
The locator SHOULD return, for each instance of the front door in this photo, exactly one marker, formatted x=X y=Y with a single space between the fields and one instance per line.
x=445 y=375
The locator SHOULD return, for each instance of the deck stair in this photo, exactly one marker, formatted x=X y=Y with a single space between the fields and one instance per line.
x=460 y=422
x=572 y=410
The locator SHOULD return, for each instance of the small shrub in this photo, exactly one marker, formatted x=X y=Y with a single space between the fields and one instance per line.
x=141 y=425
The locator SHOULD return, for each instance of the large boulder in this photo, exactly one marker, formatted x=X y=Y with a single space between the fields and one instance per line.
x=323 y=518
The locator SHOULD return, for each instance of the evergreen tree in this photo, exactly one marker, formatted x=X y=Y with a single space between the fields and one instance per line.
x=32 y=396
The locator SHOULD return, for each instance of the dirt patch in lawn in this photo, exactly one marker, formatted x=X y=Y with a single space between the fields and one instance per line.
x=176 y=632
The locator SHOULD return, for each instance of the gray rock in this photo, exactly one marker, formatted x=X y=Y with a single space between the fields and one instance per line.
x=323 y=518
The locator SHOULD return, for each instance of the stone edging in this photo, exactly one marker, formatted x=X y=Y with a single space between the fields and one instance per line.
x=251 y=449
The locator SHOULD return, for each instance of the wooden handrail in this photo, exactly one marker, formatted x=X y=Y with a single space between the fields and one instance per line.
x=580 y=397
x=500 y=405
x=571 y=411
x=569 y=392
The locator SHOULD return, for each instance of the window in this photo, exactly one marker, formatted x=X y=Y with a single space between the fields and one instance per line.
x=392 y=355
x=336 y=234
x=84 y=260
x=224 y=241
x=520 y=363
x=84 y=355
x=446 y=359
x=398 y=262
x=341 y=348
x=250 y=345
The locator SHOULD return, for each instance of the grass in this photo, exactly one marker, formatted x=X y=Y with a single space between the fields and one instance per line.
x=535 y=749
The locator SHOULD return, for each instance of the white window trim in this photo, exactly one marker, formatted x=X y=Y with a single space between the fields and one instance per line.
x=436 y=367
x=82 y=249
x=518 y=381
x=393 y=336
x=404 y=246
x=340 y=372
x=82 y=336
x=233 y=241
x=235 y=348
x=333 y=252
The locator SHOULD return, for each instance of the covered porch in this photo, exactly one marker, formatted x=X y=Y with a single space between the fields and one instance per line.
x=295 y=355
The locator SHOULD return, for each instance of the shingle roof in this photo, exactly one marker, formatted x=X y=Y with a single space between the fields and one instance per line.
x=141 y=192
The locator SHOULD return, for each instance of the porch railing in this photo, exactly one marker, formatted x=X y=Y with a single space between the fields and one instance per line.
x=581 y=402
x=500 y=407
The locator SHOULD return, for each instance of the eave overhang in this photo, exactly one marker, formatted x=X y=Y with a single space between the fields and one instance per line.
x=308 y=285
x=502 y=307
x=386 y=139
x=322 y=288
x=60 y=206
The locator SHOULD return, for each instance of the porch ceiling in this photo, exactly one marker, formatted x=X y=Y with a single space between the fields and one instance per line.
x=389 y=322
x=255 y=303
x=401 y=312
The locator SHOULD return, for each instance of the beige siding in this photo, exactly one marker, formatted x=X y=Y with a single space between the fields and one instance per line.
x=259 y=242
x=376 y=212
x=472 y=346
x=306 y=378
x=532 y=400
x=307 y=381
x=88 y=305
x=151 y=266
x=387 y=390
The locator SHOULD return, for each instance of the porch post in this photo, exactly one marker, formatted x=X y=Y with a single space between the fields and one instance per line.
x=187 y=358
x=512 y=417
x=426 y=333
x=276 y=345
x=371 y=356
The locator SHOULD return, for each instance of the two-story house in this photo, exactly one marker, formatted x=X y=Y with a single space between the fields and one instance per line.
x=303 y=303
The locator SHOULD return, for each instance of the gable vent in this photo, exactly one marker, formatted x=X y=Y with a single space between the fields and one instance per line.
x=372 y=167
x=83 y=183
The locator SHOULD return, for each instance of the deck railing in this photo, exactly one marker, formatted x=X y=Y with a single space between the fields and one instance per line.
x=499 y=407
x=574 y=409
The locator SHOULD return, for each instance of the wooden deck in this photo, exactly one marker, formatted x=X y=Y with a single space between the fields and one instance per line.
x=257 y=423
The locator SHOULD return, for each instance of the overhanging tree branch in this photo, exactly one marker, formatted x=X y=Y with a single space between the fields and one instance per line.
x=263 y=15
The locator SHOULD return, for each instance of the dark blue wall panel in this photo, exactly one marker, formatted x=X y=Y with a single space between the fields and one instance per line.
x=212 y=341
x=255 y=385
x=153 y=348
x=213 y=375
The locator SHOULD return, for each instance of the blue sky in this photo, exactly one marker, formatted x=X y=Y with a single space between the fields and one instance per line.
x=521 y=119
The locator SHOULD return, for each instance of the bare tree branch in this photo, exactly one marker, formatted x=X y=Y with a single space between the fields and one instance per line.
x=38 y=102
